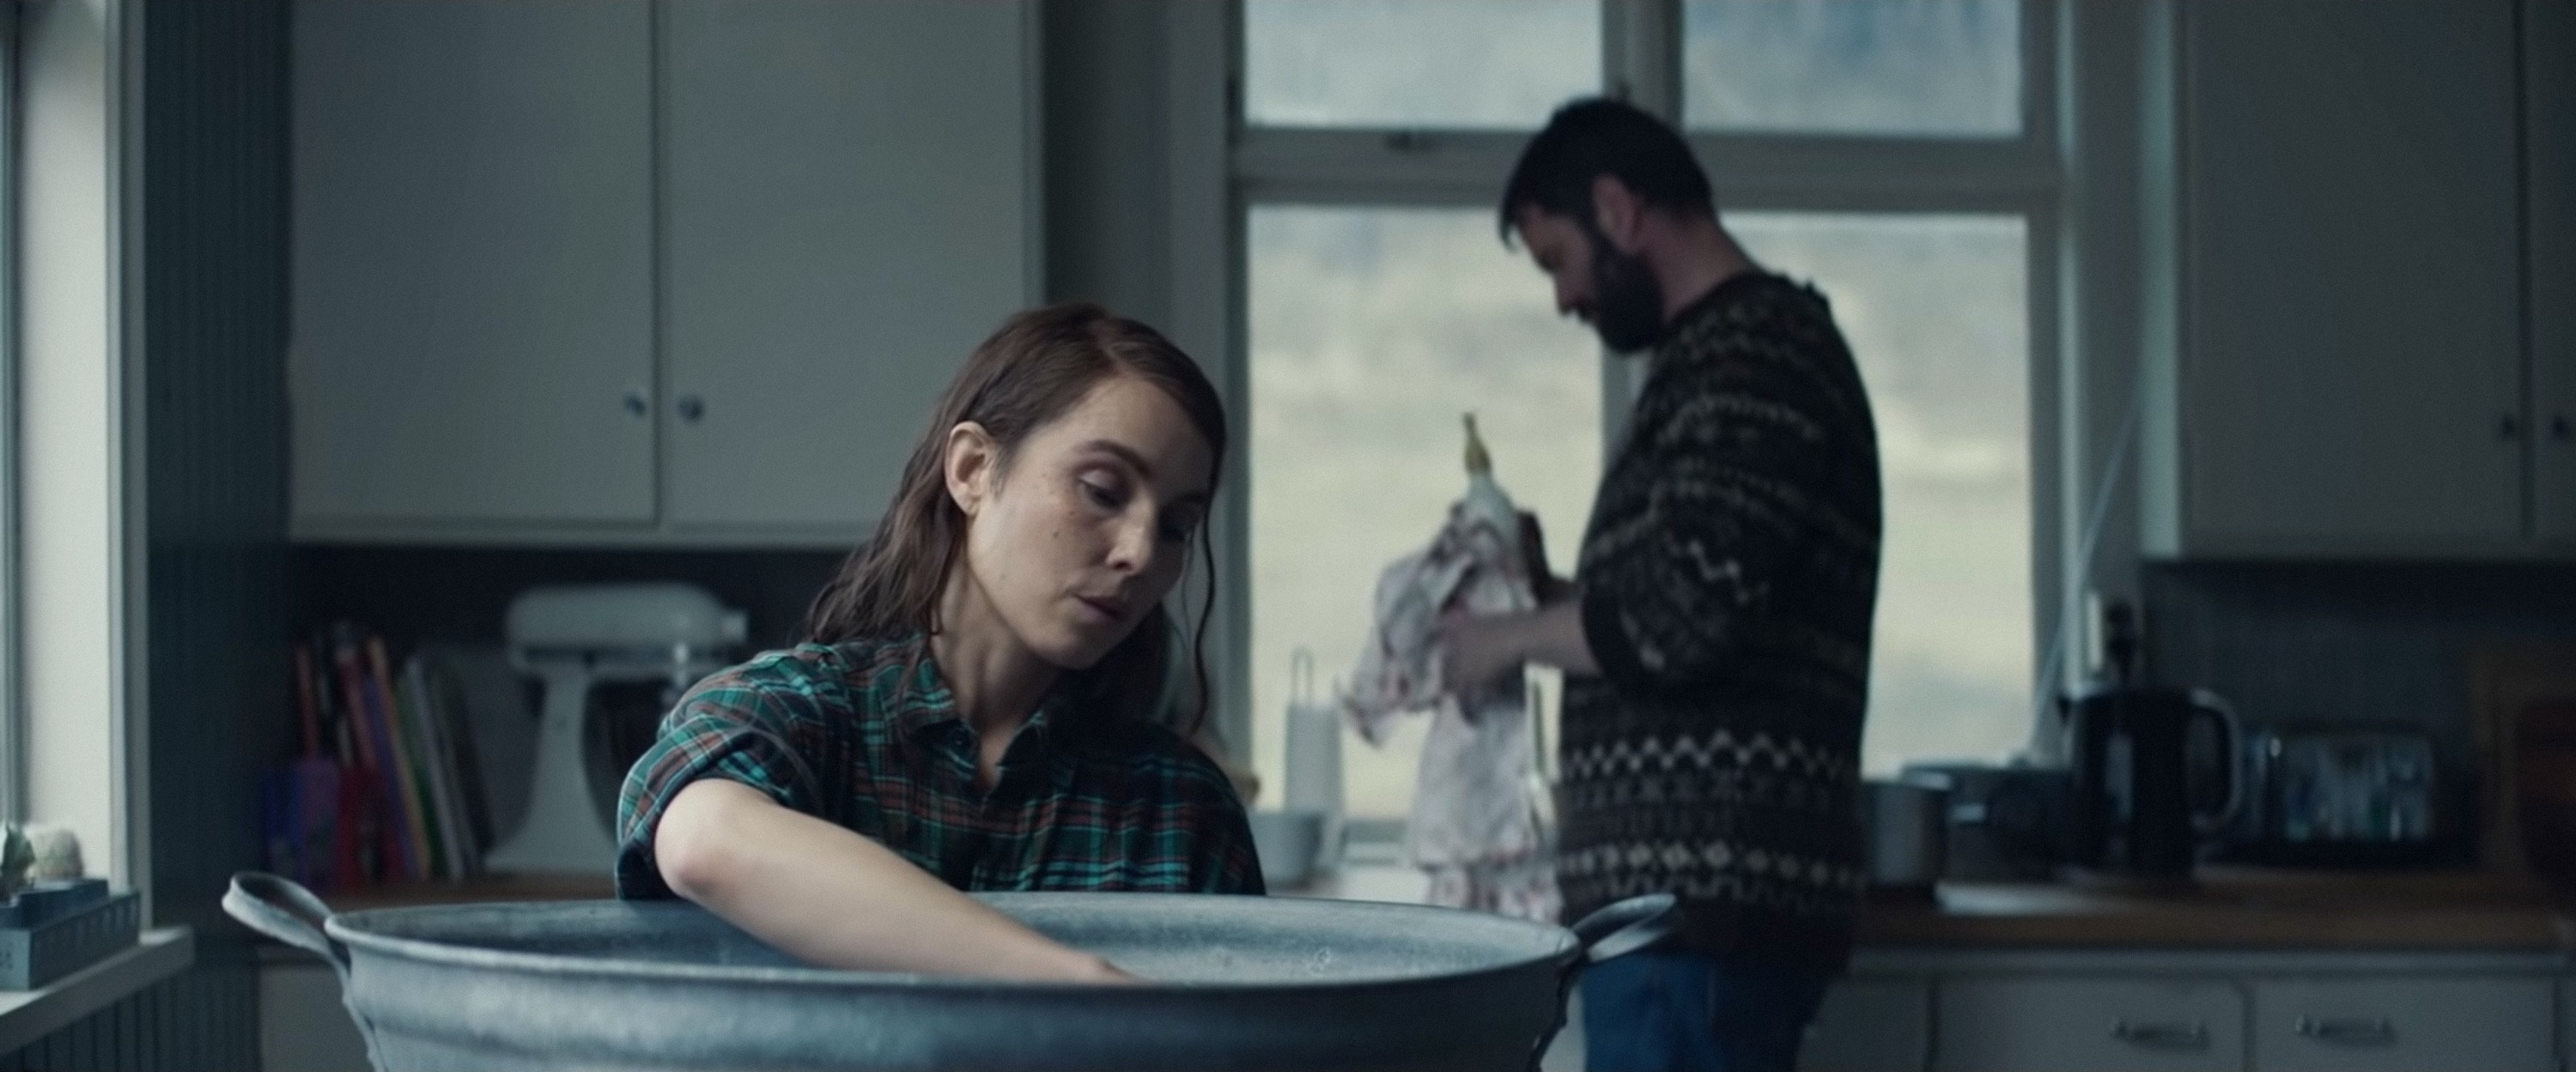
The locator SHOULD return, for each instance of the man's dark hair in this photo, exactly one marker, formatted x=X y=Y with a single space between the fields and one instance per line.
x=1598 y=136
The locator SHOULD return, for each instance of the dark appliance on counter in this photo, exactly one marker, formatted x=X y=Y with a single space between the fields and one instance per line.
x=2007 y=822
x=2154 y=773
x=2339 y=797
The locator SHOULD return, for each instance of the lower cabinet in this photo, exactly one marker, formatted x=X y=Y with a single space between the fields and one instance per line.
x=1870 y=1025
x=2055 y=1024
x=2371 y=1025
x=303 y=1027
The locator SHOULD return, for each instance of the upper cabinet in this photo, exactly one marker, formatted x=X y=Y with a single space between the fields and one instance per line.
x=848 y=215
x=471 y=335
x=2347 y=377
x=672 y=272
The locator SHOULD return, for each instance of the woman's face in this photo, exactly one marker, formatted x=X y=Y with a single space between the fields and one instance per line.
x=1088 y=526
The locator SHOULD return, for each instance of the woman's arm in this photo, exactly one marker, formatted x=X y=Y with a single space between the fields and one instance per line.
x=832 y=897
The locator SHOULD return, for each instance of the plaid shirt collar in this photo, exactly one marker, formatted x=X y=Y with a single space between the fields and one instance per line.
x=929 y=714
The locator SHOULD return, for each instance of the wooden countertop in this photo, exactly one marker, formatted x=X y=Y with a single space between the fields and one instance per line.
x=2240 y=908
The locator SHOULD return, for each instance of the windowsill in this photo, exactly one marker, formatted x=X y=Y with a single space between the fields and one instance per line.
x=29 y=1015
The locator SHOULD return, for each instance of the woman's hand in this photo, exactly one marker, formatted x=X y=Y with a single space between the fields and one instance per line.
x=830 y=897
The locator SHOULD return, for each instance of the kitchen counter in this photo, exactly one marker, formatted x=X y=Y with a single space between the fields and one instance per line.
x=2232 y=908
x=2240 y=908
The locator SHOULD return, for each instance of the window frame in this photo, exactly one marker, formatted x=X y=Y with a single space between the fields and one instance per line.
x=13 y=716
x=1642 y=62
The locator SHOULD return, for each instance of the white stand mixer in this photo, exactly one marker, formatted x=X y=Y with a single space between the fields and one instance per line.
x=572 y=637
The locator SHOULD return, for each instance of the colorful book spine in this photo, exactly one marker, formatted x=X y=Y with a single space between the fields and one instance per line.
x=377 y=758
x=433 y=751
x=409 y=763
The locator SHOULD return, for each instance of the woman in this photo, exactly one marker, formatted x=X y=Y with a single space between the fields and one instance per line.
x=970 y=710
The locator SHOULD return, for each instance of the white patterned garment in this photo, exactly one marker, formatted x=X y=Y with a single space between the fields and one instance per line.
x=1477 y=824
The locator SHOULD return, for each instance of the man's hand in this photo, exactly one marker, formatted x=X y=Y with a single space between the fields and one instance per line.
x=1481 y=653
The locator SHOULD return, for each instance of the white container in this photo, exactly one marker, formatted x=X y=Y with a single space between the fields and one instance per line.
x=1314 y=754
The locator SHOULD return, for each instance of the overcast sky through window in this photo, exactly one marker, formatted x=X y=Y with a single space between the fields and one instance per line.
x=1372 y=329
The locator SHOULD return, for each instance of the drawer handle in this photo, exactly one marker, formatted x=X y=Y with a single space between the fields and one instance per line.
x=2167 y=1036
x=2349 y=1030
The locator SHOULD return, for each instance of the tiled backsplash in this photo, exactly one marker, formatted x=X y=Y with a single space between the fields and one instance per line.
x=2351 y=644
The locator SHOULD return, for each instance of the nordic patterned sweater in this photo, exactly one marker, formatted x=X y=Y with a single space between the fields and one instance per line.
x=1728 y=577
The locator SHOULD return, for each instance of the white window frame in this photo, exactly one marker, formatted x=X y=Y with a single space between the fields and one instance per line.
x=13 y=716
x=1213 y=194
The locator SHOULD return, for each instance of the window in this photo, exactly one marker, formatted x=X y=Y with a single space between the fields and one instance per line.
x=1893 y=152
x=1372 y=329
x=1857 y=67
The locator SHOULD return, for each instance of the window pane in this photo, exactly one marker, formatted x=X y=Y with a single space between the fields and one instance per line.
x=1417 y=63
x=1934 y=308
x=1371 y=331
x=1907 y=67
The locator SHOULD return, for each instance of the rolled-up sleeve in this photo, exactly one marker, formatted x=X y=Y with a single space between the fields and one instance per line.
x=724 y=728
x=1671 y=592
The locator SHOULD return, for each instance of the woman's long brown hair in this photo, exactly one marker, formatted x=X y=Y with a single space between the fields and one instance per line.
x=1031 y=371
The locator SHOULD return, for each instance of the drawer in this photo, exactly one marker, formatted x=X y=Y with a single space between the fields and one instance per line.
x=2383 y=1025
x=1871 y=1025
x=2098 y=1024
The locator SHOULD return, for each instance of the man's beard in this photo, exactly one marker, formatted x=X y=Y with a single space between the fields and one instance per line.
x=1627 y=302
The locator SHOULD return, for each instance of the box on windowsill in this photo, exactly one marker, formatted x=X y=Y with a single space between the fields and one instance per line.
x=52 y=929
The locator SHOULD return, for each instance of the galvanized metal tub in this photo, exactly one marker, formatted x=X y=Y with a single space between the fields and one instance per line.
x=1234 y=983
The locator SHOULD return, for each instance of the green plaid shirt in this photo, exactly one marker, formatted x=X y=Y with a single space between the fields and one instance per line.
x=1083 y=802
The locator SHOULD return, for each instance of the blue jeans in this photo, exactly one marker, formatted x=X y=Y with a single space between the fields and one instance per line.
x=1691 y=1012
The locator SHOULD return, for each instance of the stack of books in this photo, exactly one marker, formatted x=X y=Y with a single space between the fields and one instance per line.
x=382 y=789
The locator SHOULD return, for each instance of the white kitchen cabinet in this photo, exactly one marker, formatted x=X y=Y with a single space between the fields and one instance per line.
x=2053 y=1024
x=669 y=272
x=847 y=215
x=2404 y=1025
x=1871 y=1025
x=2549 y=124
x=471 y=336
x=2347 y=378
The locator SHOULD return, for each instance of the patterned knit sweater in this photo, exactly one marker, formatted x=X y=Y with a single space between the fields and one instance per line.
x=1728 y=578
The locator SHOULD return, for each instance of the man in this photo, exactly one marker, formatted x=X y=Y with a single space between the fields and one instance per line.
x=1715 y=635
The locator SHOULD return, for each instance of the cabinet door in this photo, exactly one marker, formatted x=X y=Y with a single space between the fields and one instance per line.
x=2350 y=371
x=303 y=1025
x=2403 y=1025
x=848 y=192
x=1871 y=1025
x=2549 y=122
x=2100 y=1025
x=472 y=263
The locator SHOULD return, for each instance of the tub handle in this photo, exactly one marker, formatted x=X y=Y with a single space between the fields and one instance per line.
x=283 y=910
x=1618 y=929
x=1613 y=930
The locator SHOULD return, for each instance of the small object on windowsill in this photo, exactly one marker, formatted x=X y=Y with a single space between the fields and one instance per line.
x=57 y=853
x=16 y=856
x=53 y=928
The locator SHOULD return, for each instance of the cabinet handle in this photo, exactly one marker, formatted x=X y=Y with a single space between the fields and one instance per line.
x=692 y=408
x=636 y=405
x=2558 y=427
x=2349 y=1030
x=2165 y=1036
x=2508 y=428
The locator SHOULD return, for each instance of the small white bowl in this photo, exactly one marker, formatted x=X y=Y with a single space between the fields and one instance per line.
x=1288 y=843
